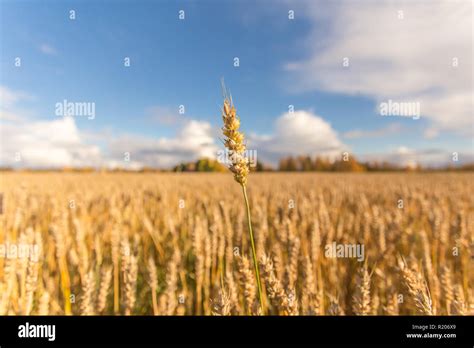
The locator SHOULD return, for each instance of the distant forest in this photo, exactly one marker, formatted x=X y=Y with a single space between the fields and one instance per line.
x=316 y=164
x=286 y=164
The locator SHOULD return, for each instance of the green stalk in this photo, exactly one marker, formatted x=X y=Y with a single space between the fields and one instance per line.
x=254 y=252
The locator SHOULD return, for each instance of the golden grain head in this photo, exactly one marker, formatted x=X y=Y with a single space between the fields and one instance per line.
x=234 y=142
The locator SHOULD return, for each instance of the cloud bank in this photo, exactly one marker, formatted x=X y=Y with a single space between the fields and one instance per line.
x=56 y=143
x=298 y=133
x=405 y=50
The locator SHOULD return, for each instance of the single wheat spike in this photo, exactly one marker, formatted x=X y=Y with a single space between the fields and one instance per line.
x=334 y=307
x=231 y=284
x=239 y=165
x=275 y=291
x=234 y=142
x=247 y=282
x=361 y=301
x=392 y=304
x=447 y=286
x=310 y=297
x=426 y=251
x=459 y=306
x=315 y=241
x=153 y=283
x=292 y=274
x=43 y=305
x=417 y=288
x=221 y=306
x=31 y=284
x=87 y=300
x=104 y=286
x=172 y=283
x=287 y=304
x=130 y=285
x=277 y=258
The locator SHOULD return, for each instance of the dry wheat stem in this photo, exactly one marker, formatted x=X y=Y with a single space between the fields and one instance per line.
x=240 y=167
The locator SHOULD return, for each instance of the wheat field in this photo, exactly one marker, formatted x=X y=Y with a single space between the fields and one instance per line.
x=177 y=244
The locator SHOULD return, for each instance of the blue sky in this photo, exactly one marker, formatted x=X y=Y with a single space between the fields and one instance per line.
x=282 y=62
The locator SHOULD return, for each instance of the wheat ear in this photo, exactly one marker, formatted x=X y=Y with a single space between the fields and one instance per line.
x=246 y=280
x=221 y=306
x=105 y=280
x=239 y=165
x=417 y=288
x=153 y=283
x=361 y=300
x=284 y=302
x=88 y=286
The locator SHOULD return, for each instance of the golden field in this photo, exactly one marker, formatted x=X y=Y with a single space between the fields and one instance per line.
x=177 y=244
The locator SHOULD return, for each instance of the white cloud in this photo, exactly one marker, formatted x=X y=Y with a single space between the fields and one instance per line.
x=26 y=142
x=193 y=141
x=47 y=49
x=45 y=144
x=390 y=58
x=298 y=133
x=59 y=142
